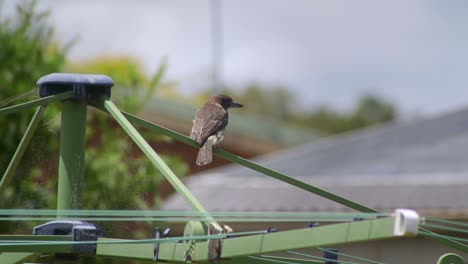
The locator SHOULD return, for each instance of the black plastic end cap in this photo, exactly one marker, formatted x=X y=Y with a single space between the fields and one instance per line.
x=85 y=87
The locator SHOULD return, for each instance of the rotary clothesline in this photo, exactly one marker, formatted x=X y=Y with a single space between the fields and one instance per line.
x=121 y=117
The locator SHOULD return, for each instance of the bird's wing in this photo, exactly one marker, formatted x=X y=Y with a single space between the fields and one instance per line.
x=208 y=120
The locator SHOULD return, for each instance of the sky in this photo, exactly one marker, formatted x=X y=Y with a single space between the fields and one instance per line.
x=413 y=53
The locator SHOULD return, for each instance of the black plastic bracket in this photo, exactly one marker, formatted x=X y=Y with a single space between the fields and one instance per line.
x=331 y=256
x=157 y=235
x=78 y=230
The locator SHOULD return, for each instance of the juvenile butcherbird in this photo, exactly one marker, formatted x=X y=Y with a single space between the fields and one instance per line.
x=209 y=124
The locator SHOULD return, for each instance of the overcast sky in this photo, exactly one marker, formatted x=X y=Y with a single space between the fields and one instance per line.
x=415 y=53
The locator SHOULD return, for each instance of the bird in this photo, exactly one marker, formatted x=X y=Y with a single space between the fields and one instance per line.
x=209 y=124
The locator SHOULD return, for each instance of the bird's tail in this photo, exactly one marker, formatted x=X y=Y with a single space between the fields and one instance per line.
x=205 y=154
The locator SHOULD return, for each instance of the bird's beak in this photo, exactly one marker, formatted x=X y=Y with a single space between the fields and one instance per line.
x=234 y=104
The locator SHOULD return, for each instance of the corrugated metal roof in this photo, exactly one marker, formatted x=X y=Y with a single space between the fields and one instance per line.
x=420 y=165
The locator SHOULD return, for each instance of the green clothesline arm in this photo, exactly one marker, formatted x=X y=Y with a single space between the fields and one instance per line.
x=34 y=103
x=302 y=185
x=242 y=244
x=231 y=157
x=158 y=162
x=443 y=240
x=10 y=171
x=44 y=248
x=247 y=163
x=15 y=257
x=263 y=243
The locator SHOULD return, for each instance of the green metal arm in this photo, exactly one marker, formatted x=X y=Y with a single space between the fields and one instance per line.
x=231 y=157
x=39 y=248
x=247 y=163
x=158 y=162
x=38 y=102
x=10 y=171
x=383 y=228
x=446 y=241
x=15 y=257
x=236 y=247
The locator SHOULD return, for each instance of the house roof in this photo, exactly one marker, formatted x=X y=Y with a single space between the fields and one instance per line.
x=421 y=165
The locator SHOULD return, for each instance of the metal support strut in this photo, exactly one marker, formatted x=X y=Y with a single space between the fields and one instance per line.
x=72 y=155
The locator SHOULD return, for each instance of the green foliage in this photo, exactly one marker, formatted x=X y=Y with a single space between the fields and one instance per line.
x=27 y=52
x=370 y=110
x=125 y=178
x=133 y=86
x=278 y=103
x=117 y=176
x=113 y=164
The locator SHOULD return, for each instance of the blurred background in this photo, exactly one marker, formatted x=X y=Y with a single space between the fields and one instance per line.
x=323 y=53
x=306 y=71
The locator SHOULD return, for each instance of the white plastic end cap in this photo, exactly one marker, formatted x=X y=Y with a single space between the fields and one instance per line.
x=406 y=222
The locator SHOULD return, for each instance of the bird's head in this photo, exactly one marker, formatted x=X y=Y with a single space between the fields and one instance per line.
x=225 y=101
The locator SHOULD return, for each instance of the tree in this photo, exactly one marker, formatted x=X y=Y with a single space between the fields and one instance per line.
x=373 y=110
x=27 y=52
x=276 y=103
x=133 y=87
x=117 y=176
x=369 y=110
